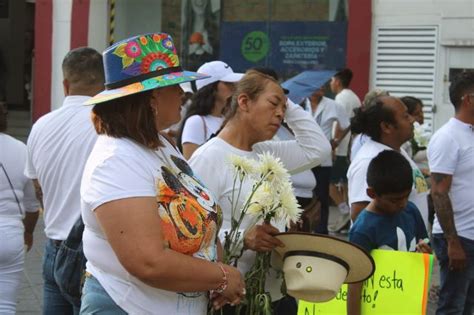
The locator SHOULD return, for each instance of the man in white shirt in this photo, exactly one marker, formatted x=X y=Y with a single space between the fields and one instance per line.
x=338 y=189
x=388 y=125
x=326 y=112
x=451 y=161
x=58 y=147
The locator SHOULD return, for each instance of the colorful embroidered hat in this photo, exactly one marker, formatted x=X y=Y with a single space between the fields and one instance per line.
x=141 y=63
x=315 y=266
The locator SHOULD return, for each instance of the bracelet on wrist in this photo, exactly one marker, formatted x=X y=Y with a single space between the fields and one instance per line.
x=223 y=285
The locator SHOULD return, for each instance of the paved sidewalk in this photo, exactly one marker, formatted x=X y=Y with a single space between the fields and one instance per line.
x=31 y=294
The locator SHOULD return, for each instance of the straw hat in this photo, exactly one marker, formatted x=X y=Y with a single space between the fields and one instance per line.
x=141 y=63
x=315 y=266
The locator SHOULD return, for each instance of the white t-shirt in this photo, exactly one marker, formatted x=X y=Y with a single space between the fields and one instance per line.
x=307 y=151
x=357 y=143
x=198 y=129
x=12 y=161
x=350 y=101
x=58 y=147
x=327 y=113
x=121 y=168
x=451 y=151
x=357 y=178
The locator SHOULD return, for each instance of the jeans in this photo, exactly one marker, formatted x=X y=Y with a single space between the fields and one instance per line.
x=456 y=294
x=54 y=302
x=95 y=300
x=323 y=177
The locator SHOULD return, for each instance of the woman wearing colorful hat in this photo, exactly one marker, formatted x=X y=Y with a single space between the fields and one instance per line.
x=206 y=112
x=150 y=225
x=258 y=108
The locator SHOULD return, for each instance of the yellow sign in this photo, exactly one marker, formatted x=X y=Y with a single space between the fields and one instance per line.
x=399 y=285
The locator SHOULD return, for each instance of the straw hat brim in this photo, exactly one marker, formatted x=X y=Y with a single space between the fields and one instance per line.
x=145 y=85
x=361 y=264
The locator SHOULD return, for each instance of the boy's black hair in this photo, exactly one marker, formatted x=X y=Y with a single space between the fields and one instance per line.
x=389 y=173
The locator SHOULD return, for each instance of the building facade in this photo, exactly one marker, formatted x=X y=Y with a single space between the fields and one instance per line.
x=408 y=47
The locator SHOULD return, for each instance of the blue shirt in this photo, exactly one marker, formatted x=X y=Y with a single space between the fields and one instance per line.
x=400 y=231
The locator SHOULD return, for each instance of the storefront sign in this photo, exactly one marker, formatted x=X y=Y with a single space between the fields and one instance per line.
x=287 y=47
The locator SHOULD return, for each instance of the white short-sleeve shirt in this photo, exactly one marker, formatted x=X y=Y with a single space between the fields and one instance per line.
x=58 y=147
x=451 y=151
x=327 y=113
x=121 y=168
x=198 y=129
x=350 y=101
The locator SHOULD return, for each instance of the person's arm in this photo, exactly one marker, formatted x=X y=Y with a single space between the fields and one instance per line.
x=31 y=206
x=309 y=148
x=354 y=291
x=143 y=252
x=194 y=134
x=38 y=192
x=443 y=156
x=440 y=186
x=29 y=223
x=340 y=134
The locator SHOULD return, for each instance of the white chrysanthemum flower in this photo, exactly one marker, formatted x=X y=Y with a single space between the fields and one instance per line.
x=243 y=166
x=255 y=209
x=262 y=201
x=273 y=167
x=290 y=210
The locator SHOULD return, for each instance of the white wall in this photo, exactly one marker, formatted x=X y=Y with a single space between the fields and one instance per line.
x=98 y=25
x=137 y=17
x=61 y=45
x=455 y=22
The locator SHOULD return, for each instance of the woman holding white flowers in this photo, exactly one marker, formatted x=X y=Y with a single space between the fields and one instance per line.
x=258 y=108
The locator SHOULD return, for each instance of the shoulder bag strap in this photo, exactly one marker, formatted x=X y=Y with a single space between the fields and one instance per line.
x=11 y=186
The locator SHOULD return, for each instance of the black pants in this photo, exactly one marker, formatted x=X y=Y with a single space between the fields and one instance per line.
x=323 y=177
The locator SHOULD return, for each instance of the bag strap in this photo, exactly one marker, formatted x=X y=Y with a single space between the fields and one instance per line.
x=11 y=187
x=204 y=125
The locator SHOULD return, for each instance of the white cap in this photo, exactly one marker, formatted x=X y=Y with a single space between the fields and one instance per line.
x=218 y=71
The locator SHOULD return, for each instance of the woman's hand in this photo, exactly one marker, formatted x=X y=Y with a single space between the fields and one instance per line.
x=233 y=293
x=260 y=238
x=28 y=237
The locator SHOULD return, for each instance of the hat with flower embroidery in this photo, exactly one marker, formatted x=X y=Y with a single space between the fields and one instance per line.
x=141 y=63
x=315 y=266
